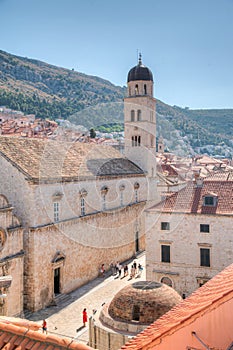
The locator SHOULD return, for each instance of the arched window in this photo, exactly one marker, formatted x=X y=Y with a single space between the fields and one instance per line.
x=129 y=91
x=136 y=141
x=139 y=114
x=136 y=89
x=132 y=115
x=167 y=281
x=133 y=141
x=136 y=187
x=104 y=191
x=83 y=194
x=104 y=202
x=145 y=91
x=139 y=141
x=122 y=188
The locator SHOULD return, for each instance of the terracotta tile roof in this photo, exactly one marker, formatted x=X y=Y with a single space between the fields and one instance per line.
x=59 y=161
x=210 y=295
x=24 y=335
x=190 y=199
x=167 y=168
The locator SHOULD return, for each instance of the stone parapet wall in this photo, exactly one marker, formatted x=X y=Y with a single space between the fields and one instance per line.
x=100 y=338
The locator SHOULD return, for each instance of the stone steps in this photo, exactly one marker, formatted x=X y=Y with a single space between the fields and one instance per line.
x=62 y=298
x=27 y=314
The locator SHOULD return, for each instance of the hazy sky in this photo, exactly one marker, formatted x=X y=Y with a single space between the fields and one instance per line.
x=188 y=44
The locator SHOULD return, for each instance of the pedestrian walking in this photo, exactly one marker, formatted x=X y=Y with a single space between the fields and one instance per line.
x=132 y=271
x=120 y=268
x=44 y=326
x=117 y=267
x=135 y=266
x=140 y=268
x=112 y=267
x=84 y=317
x=102 y=270
x=126 y=272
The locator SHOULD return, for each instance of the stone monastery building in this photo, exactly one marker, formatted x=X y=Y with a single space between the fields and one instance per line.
x=80 y=205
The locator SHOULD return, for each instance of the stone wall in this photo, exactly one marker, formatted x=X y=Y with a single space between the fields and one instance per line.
x=100 y=338
x=84 y=244
x=11 y=261
x=18 y=192
x=185 y=241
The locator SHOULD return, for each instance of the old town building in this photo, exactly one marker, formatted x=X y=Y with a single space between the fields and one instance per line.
x=81 y=205
x=189 y=234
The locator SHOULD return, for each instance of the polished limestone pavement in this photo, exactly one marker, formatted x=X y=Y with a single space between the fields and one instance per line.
x=65 y=318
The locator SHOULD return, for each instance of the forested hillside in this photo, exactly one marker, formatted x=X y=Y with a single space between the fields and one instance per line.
x=48 y=91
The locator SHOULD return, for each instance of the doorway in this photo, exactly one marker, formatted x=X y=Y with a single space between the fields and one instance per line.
x=57 y=281
x=136 y=242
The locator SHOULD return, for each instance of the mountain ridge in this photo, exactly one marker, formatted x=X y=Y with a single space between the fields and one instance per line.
x=48 y=91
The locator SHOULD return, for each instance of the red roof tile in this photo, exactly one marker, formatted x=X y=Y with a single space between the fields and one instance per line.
x=217 y=290
x=190 y=199
x=167 y=168
x=21 y=334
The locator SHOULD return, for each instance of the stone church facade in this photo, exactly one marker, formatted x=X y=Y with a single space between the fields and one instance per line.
x=80 y=205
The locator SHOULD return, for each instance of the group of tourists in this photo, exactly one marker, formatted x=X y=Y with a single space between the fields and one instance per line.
x=135 y=269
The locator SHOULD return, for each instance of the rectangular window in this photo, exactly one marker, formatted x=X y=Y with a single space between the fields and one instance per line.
x=209 y=200
x=165 y=225
x=82 y=203
x=204 y=228
x=205 y=257
x=136 y=195
x=56 y=211
x=165 y=253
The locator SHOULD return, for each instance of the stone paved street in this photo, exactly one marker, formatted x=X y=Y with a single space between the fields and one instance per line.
x=66 y=318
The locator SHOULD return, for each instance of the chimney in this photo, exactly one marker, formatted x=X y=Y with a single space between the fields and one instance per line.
x=199 y=181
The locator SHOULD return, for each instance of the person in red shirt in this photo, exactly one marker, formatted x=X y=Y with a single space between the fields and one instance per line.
x=84 y=317
x=44 y=326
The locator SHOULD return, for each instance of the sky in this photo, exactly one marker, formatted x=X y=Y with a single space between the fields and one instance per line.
x=187 y=44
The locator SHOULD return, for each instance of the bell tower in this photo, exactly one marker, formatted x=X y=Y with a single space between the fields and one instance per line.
x=140 y=120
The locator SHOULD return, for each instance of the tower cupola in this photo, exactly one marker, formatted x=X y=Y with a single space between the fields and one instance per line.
x=140 y=72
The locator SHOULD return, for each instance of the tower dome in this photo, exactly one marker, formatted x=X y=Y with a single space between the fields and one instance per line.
x=140 y=72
